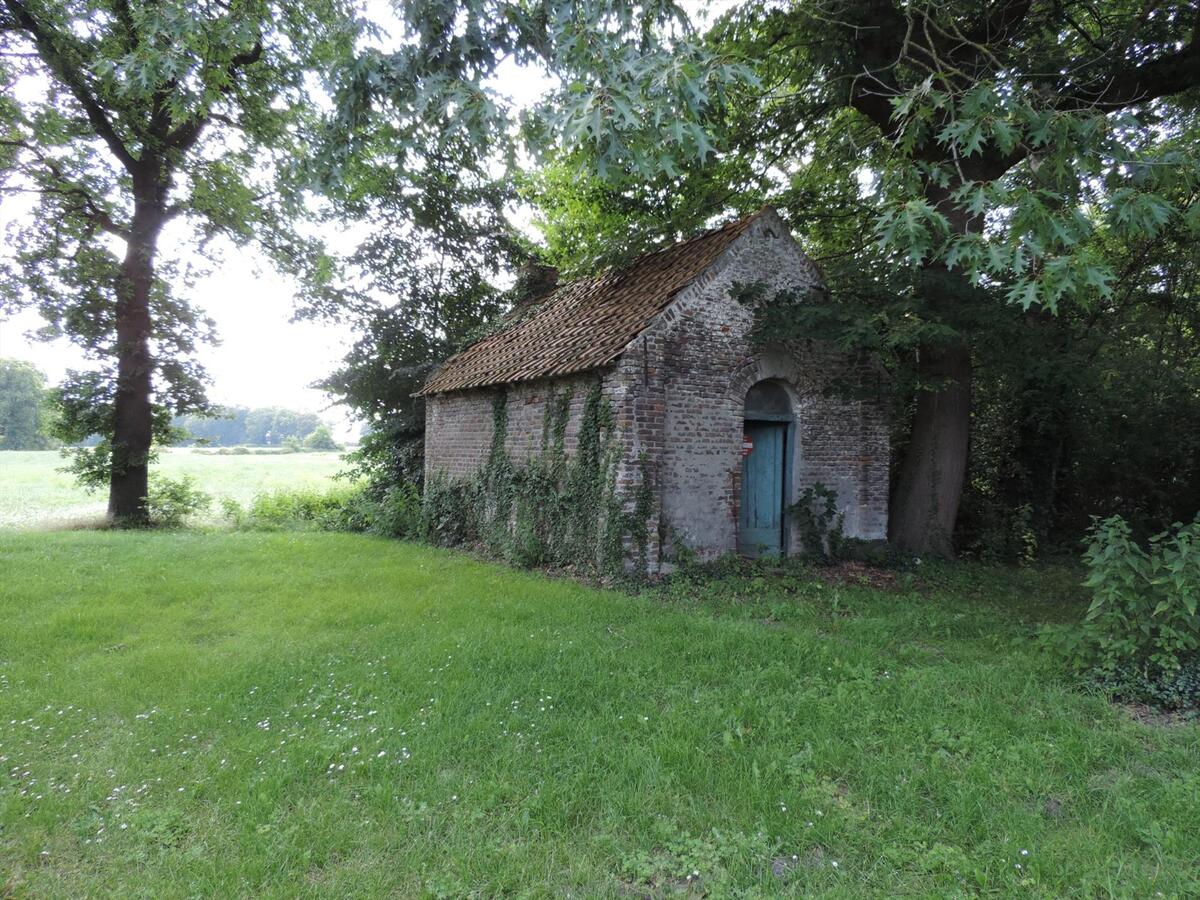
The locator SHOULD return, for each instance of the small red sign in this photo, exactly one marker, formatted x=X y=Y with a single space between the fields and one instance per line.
x=747 y=445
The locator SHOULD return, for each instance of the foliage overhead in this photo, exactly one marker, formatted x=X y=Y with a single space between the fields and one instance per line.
x=1087 y=108
x=631 y=81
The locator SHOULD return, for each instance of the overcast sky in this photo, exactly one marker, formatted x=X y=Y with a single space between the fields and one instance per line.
x=263 y=359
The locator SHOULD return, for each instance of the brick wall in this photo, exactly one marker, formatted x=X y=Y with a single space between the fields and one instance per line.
x=690 y=372
x=458 y=426
x=458 y=432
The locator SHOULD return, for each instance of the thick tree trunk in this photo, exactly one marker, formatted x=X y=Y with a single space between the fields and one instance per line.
x=133 y=414
x=925 y=502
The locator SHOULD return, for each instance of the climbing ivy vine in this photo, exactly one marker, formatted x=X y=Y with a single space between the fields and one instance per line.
x=552 y=510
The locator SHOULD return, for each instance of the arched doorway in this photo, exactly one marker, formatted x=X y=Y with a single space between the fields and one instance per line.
x=766 y=449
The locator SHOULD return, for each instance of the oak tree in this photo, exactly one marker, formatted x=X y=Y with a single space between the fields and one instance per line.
x=1014 y=130
x=139 y=127
x=957 y=155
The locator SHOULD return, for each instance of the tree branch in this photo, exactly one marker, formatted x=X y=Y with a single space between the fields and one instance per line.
x=90 y=207
x=1168 y=74
x=1001 y=20
x=187 y=133
x=61 y=67
x=879 y=48
x=125 y=17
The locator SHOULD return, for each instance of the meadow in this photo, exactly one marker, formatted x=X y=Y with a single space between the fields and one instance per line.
x=311 y=714
x=35 y=494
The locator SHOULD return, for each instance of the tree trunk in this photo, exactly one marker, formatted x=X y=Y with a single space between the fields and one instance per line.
x=132 y=412
x=925 y=502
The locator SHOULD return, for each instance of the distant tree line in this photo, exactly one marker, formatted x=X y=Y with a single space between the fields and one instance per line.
x=267 y=426
x=27 y=416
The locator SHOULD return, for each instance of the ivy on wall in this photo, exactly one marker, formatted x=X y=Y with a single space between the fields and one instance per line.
x=552 y=510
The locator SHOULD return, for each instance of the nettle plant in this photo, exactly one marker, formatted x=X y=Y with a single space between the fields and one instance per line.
x=1141 y=635
x=820 y=524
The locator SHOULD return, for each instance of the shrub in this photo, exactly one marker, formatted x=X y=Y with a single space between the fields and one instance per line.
x=329 y=509
x=528 y=549
x=1176 y=690
x=172 y=500
x=321 y=439
x=395 y=512
x=233 y=511
x=1140 y=638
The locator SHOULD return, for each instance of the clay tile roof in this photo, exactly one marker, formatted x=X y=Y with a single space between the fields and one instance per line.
x=587 y=323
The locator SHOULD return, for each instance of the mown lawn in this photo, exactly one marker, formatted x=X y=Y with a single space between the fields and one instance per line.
x=218 y=714
x=35 y=493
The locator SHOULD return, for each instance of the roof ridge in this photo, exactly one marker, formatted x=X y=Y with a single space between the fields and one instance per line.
x=533 y=306
x=642 y=257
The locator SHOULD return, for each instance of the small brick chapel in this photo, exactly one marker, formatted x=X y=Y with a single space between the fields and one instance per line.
x=720 y=434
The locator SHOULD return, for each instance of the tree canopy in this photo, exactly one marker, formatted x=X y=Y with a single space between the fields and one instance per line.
x=999 y=154
x=967 y=174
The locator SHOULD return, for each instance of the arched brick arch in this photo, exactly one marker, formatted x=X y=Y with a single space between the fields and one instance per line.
x=768 y=366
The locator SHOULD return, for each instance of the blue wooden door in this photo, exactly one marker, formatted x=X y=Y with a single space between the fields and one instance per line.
x=760 y=531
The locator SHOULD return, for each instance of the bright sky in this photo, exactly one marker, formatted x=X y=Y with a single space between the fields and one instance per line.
x=264 y=359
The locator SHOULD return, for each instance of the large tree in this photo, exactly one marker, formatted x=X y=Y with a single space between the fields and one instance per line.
x=956 y=156
x=127 y=120
x=1015 y=130
x=424 y=144
x=945 y=158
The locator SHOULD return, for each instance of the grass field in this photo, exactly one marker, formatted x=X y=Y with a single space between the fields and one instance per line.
x=217 y=714
x=33 y=493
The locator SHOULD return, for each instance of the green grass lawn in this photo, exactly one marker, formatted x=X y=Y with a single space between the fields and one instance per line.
x=233 y=714
x=33 y=493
